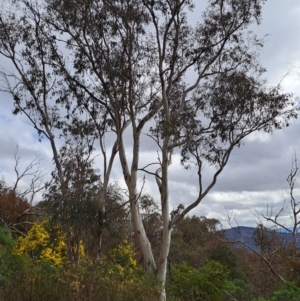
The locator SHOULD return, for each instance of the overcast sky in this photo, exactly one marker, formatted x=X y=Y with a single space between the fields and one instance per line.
x=256 y=173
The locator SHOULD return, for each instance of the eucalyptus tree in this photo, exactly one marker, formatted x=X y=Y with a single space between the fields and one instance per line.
x=76 y=213
x=141 y=67
x=40 y=92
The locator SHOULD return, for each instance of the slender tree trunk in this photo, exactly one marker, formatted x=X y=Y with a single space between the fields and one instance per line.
x=163 y=260
x=131 y=182
x=163 y=185
x=139 y=230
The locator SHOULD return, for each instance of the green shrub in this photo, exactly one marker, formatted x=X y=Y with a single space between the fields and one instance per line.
x=205 y=284
x=6 y=240
x=239 y=289
x=7 y=259
x=289 y=291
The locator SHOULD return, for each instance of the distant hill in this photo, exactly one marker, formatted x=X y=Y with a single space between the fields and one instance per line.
x=246 y=234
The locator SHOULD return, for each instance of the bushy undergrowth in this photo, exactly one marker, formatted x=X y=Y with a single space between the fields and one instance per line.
x=117 y=277
x=27 y=275
x=31 y=282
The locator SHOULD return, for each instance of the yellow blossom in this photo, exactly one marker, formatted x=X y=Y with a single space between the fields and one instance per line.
x=43 y=244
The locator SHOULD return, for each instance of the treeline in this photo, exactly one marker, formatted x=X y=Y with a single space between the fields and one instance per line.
x=46 y=256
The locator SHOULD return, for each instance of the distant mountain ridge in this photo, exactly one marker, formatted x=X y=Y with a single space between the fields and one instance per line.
x=246 y=234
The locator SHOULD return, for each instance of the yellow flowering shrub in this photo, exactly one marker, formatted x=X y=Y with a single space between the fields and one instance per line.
x=124 y=278
x=44 y=242
x=123 y=260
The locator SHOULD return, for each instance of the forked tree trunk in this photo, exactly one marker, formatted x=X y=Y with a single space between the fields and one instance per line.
x=139 y=230
x=131 y=182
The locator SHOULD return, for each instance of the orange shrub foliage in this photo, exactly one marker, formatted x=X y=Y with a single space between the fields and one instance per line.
x=15 y=213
